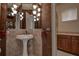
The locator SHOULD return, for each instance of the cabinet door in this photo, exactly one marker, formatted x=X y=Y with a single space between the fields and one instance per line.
x=59 y=41
x=75 y=45
x=46 y=27
x=65 y=43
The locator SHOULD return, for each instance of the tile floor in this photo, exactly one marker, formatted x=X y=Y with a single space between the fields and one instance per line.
x=61 y=53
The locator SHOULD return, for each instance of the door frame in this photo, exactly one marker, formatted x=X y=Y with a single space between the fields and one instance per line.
x=54 y=29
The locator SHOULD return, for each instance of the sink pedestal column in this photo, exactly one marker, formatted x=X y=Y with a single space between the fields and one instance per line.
x=25 y=39
x=25 y=52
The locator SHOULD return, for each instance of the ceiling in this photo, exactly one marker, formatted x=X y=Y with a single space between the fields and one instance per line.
x=25 y=6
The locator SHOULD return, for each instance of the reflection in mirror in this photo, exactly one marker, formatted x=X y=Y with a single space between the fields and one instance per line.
x=23 y=20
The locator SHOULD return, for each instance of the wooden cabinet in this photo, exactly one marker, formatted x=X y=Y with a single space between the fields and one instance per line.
x=68 y=43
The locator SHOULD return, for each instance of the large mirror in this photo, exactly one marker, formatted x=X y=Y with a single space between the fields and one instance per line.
x=22 y=16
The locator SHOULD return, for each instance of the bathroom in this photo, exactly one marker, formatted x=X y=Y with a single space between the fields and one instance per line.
x=22 y=30
x=39 y=29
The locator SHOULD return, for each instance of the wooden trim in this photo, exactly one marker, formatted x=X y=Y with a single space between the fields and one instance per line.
x=3 y=28
x=46 y=34
x=68 y=52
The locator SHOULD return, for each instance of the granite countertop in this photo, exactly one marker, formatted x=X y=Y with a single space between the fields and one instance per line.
x=69 y=33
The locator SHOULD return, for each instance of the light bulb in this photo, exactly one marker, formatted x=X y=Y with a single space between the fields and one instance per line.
x=34 y=12
x=22 y=13
x=34 y=19
x=34 y=6
x=15 y=12
x=21 y=18
x=34 y=16
x=15 y=6
x=37 y=19
x=38 y=14
x=39 y=9
x=12 y=8
x=12 y=14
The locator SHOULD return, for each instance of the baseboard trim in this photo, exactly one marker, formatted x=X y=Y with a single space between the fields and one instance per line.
x=68 y=52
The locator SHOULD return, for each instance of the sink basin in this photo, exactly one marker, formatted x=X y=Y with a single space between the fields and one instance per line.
x=24 y=36
x=25 y=39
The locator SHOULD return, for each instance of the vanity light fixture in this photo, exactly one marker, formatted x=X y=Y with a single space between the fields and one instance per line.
x=14 y=7
x=21 y=15
x=14 y=11
x=36 y=12
x=34 y=6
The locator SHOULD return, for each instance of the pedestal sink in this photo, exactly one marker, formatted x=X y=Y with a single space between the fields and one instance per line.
x=25 y=39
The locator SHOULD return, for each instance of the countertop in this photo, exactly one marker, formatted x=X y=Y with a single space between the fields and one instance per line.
x=69 y=33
